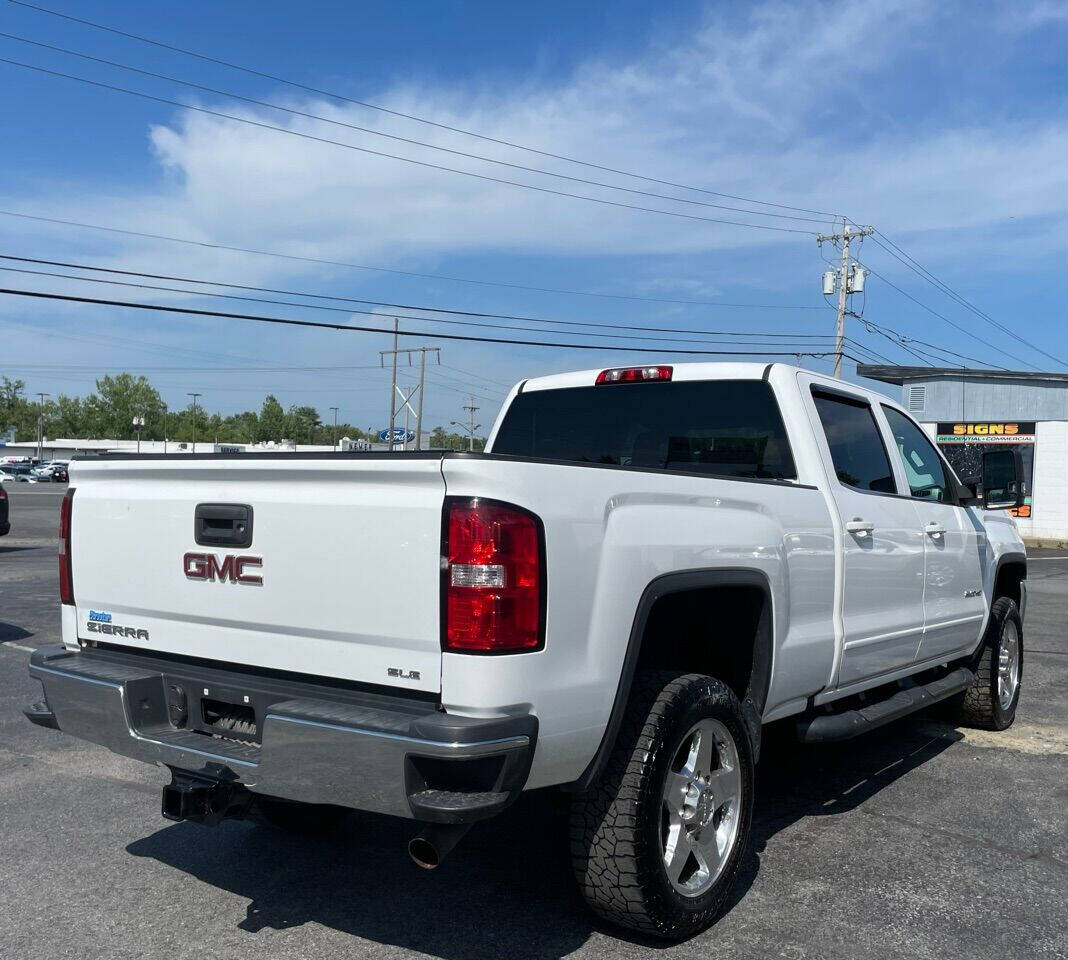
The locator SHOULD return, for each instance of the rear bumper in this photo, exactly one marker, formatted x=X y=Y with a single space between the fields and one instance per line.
x=367 y=751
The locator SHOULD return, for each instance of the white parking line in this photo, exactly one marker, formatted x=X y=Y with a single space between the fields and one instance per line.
x=1038 y=559
x=17 y=646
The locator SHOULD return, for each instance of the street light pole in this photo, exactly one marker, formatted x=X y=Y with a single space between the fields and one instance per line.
x=40 y=425
x=194 y=396
x=335 y=428
x=139 y=422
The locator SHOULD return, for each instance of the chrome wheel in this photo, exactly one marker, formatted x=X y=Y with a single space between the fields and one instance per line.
x=1008 y=664
x=701 y=808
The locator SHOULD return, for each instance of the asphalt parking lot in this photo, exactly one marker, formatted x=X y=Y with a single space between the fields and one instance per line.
x=921 y=841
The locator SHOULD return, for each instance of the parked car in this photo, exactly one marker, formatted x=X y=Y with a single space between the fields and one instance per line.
x=646 y=567
x=47 y=471
x=59 y=474
x=17 y=472
x=5 y=524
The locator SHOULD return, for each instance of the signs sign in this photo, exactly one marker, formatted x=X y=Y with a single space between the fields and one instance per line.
x=1014 y=431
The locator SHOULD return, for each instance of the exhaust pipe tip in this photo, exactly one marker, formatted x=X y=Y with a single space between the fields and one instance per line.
x=423 y=853
x=430 y=847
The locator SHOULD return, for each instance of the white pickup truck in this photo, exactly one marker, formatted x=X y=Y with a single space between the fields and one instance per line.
x=646 y=566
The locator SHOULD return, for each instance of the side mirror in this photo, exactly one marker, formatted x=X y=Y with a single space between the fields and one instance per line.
x=1003 y=479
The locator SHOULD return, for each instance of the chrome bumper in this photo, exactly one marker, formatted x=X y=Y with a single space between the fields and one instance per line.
x=355 y=754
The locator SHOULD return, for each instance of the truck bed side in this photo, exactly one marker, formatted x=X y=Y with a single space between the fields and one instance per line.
x=609 y=533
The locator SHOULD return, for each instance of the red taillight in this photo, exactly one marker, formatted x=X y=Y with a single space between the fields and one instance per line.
x=494 y=578
x=634 y=374
x=66 y=578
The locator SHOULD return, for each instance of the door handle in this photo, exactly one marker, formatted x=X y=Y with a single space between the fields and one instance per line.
x=860 y=528
x=934 y=530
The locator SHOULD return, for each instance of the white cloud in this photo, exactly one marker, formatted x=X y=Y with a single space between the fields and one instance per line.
x=1045 y=12
x=735 y=106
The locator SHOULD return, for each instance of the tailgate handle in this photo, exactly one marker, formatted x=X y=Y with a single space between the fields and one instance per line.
x=223 y=525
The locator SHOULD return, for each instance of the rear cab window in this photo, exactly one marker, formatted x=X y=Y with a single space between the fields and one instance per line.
x=855 y=442
x=723 y=428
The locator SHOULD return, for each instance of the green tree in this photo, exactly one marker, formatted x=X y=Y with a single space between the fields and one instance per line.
x=301 y=423
x=111 y=410
x=241 y=427
x=440 y=439
x=15 y=410
x=66 y=417
x=272 y=420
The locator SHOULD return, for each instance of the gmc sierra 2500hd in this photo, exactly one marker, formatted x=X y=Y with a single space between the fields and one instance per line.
x=646 y=566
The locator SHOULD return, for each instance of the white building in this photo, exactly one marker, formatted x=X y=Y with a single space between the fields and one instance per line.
x=966 y=411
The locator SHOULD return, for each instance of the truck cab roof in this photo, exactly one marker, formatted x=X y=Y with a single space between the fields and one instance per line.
x=680 y=371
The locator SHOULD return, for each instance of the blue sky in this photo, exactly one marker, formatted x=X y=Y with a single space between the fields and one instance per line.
x=944 y=125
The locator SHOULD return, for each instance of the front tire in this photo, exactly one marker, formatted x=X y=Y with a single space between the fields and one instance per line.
x=990 y=703
x=658 y=841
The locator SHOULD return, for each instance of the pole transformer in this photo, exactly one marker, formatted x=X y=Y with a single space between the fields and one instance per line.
x=848 y=279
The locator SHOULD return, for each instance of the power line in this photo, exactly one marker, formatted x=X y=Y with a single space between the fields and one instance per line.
x=406 y=116
x=668 y=330
x=381 y=303
x=899 y=342
x=479 y=376
x=909 y=260
x=904 y=338
x=399 y=139
x=404 y=273
x=351 y=310
x=319 y=324
x=141 y=345
x=943 y=317
x=918 y=268
x=392 y=156
x=19 y=365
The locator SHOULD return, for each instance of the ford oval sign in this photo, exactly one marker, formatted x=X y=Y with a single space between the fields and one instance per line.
x=400 y=435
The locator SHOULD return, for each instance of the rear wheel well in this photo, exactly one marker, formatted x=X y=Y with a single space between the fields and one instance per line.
x=1009 y=578
x=714 y=630
x=715 y=622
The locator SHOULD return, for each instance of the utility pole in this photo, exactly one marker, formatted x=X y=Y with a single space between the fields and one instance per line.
x=194 y=396
x=335 y=428
x=40 y=425
x=419 y=412
x=393 y=383
x=470 y=427
x=396 y=391
x=849 y=279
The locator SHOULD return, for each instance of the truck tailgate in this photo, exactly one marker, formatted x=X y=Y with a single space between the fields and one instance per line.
x=347 y=549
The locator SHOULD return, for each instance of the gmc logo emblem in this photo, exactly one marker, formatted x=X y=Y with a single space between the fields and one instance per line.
x=230 y=569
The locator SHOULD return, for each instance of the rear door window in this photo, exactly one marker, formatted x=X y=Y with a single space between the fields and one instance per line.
x=727 y=428
x=857 y=451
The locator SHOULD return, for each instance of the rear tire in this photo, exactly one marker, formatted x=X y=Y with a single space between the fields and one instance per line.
x=990 y=703
x=658 y=841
